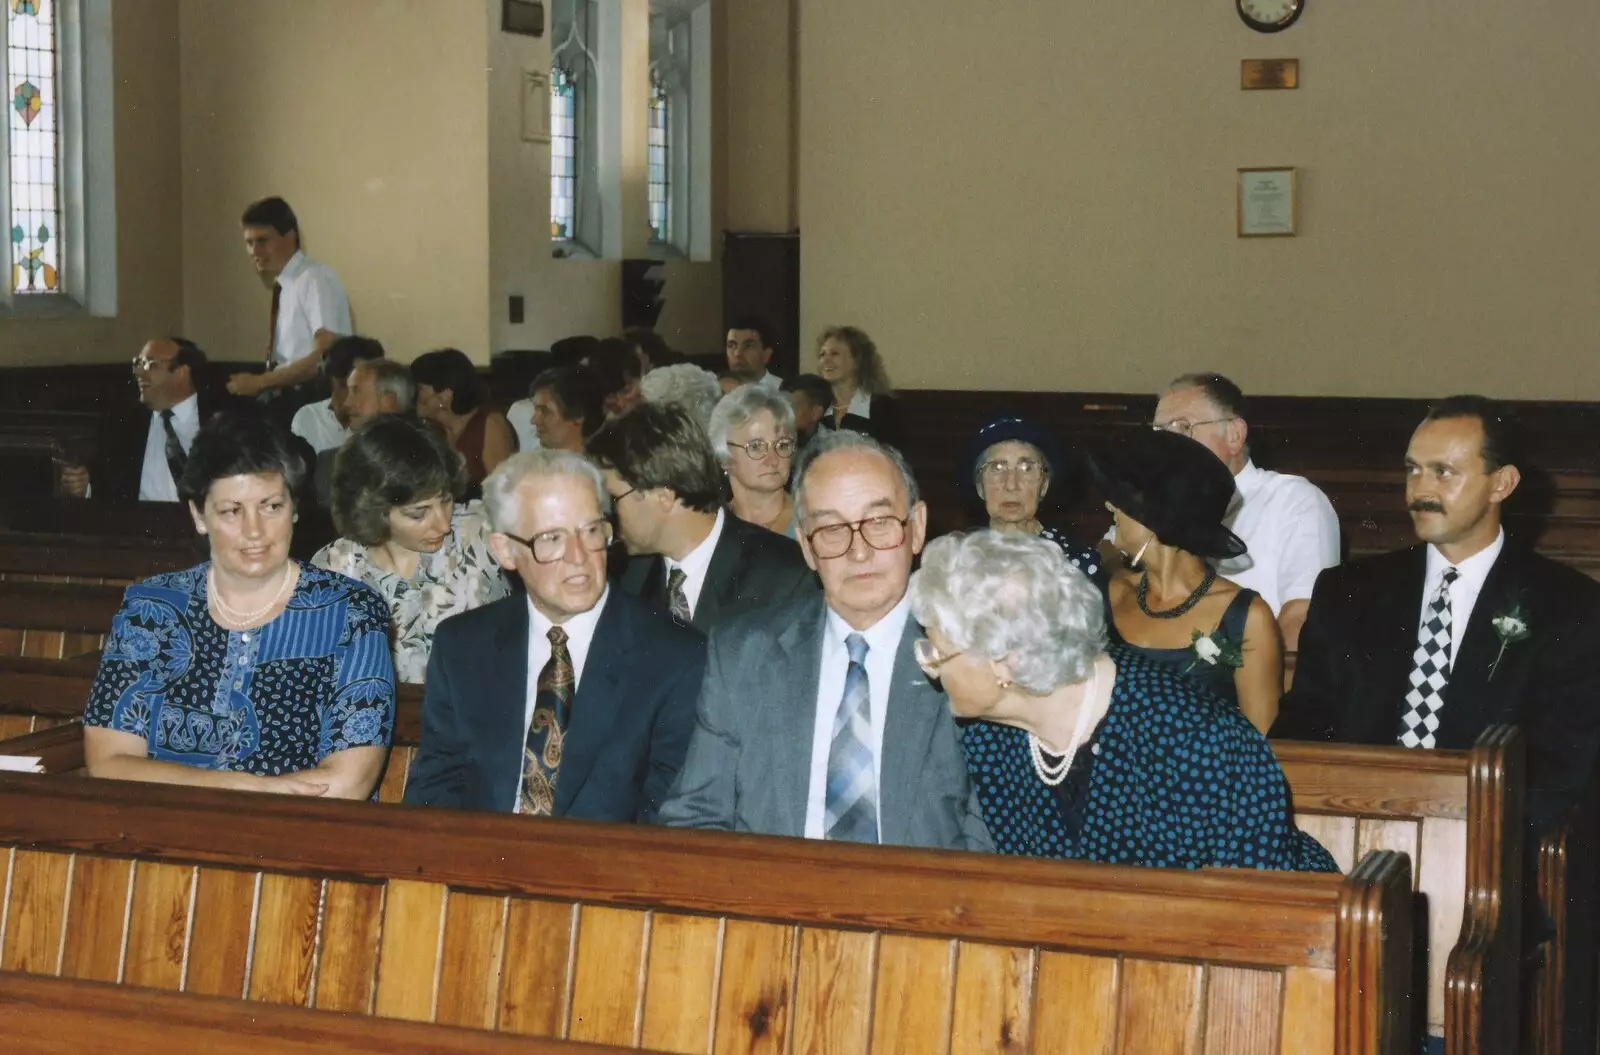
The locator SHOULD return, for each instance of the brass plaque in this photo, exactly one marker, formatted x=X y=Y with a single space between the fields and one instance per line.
x=1255 y=74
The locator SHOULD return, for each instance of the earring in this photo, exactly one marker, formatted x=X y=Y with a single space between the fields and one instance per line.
x=295 y=519
x=1004 y=683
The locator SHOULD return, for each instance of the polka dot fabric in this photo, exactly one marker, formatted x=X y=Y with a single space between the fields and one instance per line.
x=1180 y=780
x=1083 y=558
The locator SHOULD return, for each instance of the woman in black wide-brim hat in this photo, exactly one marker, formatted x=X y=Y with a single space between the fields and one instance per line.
x=1169 y=497
x=1011 y=465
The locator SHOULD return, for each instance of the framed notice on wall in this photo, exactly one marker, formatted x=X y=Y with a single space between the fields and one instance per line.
x=1269 y=205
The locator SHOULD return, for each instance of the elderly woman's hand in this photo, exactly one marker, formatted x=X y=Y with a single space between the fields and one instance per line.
x=293 y=784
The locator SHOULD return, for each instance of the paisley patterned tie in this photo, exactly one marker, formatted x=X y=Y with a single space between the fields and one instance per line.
x=677 y=600
x=552 y=708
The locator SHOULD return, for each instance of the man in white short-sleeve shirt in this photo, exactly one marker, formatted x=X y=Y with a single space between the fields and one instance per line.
x=309 y=306
x=1286 y=521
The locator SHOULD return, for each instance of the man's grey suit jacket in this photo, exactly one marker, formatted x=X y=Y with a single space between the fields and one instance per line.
x=749 y=763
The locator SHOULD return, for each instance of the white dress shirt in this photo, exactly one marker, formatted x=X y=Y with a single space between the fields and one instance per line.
x=883 y=645
x=770 y=381
x=520 y=414
x=312 y=300
x=155 y=478
x=695 y=565
x=317 y=425
x=1292 y=532
x=580 y=635
x=1463 y=592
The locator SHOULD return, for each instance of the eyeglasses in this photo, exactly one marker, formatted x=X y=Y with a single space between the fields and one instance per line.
x=143 y=365
x=835 y=540
x=1026 y=469
x=757 y=449
x=929 y=658
x=550 y=546
x=1185 y=427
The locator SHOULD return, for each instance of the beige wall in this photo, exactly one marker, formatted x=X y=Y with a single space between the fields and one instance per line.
x=370 y=117
x=758 y=114
x=149 y=246
x=1043 y=197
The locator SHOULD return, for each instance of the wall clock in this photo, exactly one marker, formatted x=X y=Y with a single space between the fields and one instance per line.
x=1270 y=16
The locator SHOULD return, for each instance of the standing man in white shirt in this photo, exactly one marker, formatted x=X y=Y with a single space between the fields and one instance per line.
x=1286 y=521
x=750 y=344
x=309 y=309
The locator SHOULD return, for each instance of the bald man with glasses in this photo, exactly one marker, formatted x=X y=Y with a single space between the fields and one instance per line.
x=815 y=719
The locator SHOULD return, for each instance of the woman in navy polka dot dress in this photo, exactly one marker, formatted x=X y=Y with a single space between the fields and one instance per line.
x=1011 y=466
x=1085 y=752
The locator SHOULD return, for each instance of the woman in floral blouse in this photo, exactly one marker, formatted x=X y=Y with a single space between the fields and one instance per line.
x=395 y=485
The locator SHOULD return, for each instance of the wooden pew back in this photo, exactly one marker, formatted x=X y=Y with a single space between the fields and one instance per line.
x=677 y=941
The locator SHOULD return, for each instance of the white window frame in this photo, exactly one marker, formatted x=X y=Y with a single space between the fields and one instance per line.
x=587 y=226
x=85 y=93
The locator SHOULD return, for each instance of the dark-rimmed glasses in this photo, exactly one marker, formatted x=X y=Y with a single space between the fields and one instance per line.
x=1185 y=427
x=757 y=449
x=550 y=546
x=835 y=540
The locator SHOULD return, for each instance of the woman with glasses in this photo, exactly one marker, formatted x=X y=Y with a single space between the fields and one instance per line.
x=1085 y=751
x=396 y=488
x=250 y=671
x=1168 y=497
x=752 y=436
x=1012 y=464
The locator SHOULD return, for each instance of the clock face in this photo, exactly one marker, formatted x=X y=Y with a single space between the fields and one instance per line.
x=1269 y=16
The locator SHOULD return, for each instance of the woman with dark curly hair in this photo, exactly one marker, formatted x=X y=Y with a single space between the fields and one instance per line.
x=450 y=394
x=251 y=671
x=395 y=490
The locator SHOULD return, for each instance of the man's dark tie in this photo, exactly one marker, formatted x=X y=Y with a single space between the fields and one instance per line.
x=677 y=600
x=176 y=458
x=272 y=337
x=552 y=708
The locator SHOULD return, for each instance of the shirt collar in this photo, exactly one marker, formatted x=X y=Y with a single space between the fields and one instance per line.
x=1249 y=478
x=860 y=404
x=883 y=637
x=296 y=264
x=1474 y=569
x=186 y=412
x=698 y=560
x=579 y=627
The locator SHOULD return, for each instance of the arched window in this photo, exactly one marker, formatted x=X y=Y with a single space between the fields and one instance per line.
x=659 y=161
x=33 y=152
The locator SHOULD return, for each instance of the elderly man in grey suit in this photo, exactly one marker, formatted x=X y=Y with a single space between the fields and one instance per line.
x=814 y=719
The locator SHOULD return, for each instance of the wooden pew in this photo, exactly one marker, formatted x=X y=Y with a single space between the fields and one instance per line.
x=669 y=939
x=91 y=558
x=38 y=693
x=55 y=620
x=45 y=1016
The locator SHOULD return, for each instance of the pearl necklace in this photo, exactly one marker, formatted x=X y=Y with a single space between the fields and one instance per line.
x=247 y=618
x=1053 y=773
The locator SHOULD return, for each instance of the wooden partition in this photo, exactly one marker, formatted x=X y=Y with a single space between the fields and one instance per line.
x=52 y=620
x=691 y=941
x=1458 y=816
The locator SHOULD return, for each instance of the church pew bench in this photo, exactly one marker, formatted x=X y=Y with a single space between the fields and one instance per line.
x=683 y=941
x=91 y=558
x=45 y=1016
x=37 y=693
x=50 y=620
x=1458 y=816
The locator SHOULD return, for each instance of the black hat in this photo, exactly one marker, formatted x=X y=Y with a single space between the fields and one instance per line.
x=1010 y=428
x=1172 y=485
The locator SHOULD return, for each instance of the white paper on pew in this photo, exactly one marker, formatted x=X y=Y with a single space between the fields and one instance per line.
x=20 y=764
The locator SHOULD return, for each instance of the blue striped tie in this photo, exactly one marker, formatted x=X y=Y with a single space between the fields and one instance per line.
x=852 y=796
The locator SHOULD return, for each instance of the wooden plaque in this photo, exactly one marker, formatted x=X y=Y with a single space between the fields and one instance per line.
x=1257 y=74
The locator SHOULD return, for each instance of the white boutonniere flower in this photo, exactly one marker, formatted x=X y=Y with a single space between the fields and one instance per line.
x=1510 y=626
x=1214 y=650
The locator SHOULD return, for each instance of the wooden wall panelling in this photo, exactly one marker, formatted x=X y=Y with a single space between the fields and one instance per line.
x=1441 y=848
x=833 y=991
x=392 y=787
x=756 y=989
x=1308 y=1012
x=470 y=960
x=219 y=934
x=347 y=963
x=1086 y=1022
x=1161 y=1007
x=1336 y=834
x=993 y=1000
x=536 y=980
x=94 y=937
x=285 y=946
x=1243 y=1011
x=608 y=976
x=913 y=1003
x=158 y=925
x=408 y=957
x=680 y=989
x=36 y=904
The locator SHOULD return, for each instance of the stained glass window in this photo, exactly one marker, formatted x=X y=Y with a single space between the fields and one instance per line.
x=563 y=154
x=658 y=161
x=35 y=187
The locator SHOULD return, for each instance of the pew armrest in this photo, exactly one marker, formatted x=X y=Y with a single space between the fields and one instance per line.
x=59 y=749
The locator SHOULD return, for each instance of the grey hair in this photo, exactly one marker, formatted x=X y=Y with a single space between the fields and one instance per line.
x=742 y=404
x=690 y=387
x=394 y=379
x=500 y=486
x=1009 y=596
x=827 y=441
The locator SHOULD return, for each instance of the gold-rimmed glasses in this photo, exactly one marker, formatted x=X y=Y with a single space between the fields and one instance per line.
x=835 y=540
x=929 y=658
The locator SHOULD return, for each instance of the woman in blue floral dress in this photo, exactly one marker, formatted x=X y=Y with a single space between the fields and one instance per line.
x=251 y=671
x=1081 y=751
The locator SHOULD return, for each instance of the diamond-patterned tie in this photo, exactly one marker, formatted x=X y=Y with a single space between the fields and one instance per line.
x=1430 y=670
x=676 y=598
x=852 y=795
x=176 y=457
x=552 y=707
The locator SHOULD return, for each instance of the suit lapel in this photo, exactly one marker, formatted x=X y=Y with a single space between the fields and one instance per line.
x=794 y=719
x=599 y=698
x=723 y=574
x=645 y=578
x=1391 y=654
x=1468 y=697
x=508 y=702
x=914 y=710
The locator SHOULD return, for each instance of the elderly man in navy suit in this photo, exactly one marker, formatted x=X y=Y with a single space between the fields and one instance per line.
x=574 y=700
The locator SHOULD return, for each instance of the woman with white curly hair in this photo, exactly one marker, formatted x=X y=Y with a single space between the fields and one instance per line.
x=752 y=436
x=1087 y=751
x=685 y=384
